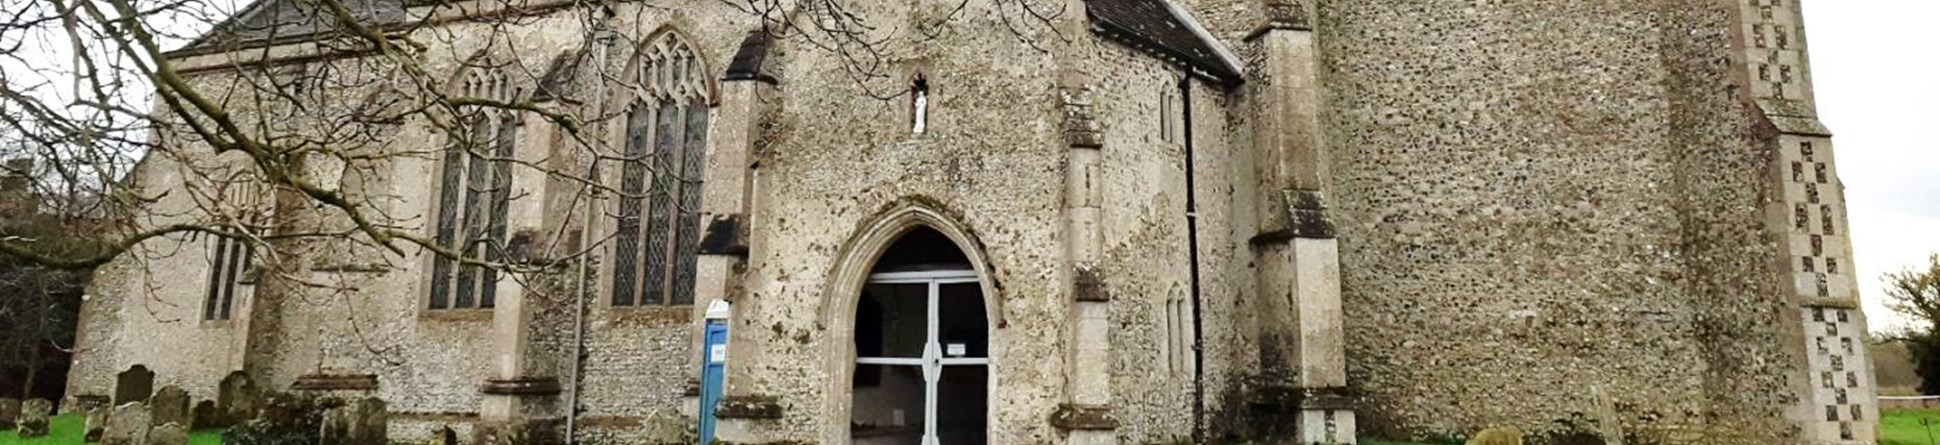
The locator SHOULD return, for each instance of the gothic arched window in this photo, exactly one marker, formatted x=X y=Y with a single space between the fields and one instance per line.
x=474 y=190
x=233 y=259
x=658 y=236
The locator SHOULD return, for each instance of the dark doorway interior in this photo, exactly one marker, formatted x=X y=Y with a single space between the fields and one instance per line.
x=922 y=348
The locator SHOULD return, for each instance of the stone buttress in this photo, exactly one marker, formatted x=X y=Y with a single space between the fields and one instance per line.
x=1808 y=221
x=1086 y=413
x=748 y=92
x=1295 y=247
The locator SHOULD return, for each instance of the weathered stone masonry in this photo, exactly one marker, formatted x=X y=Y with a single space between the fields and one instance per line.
x=1808 y=218
x=1414 y=219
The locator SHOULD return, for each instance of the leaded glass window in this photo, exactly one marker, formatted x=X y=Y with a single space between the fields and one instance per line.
x=231 y=259
x=658 y=239
x=474 y=190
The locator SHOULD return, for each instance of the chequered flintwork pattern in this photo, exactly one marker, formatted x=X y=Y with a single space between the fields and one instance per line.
x=1775 y=50
x=1840 y=407
x=1822 y=259
x=1841 y=386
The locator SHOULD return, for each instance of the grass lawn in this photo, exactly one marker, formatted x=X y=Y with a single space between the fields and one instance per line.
x=1902 y=427
x=66 y=430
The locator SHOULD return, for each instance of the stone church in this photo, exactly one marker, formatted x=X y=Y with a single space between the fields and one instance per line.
x=1063 y=221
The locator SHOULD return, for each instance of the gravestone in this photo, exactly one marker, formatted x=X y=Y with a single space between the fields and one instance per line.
x=170 y=405
x=280 y=408
x=1609 y=423
x=134 y=385
x=97 y=419
x=1578 y=438
x=33 y=417
x=237 y=399
x=204 y=415
x=9 y=413
x=362 y=422
x=127 y=425
x=168 y=434
x=85 y=402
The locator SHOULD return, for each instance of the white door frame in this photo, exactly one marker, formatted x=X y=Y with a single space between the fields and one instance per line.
x=932 y=361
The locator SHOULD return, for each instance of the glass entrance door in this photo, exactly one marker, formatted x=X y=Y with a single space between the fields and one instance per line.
x=922 y=360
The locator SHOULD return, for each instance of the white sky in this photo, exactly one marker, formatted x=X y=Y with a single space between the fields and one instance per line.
x=1876 y=69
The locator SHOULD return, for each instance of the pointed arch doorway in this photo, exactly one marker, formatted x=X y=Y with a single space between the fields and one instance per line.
x=922 y=348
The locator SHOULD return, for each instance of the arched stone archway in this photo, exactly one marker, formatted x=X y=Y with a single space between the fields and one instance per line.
x=913 y=312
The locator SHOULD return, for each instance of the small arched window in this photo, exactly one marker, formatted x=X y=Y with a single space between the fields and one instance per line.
x=475 y=187
x=658 y=231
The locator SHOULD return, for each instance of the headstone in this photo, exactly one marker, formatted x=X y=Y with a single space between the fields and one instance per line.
x=362 y=422
x=33 y=417
x=170 y=405
x=237 y=399
x=281 y=408
x=1609 y=423
x=1579 y=438
x=127 y=425
x=168 y=434
x=204 y=416
x=9 y=413
x=1497 y=436
x=96 y=421
x=134 y=385
x=85 y=402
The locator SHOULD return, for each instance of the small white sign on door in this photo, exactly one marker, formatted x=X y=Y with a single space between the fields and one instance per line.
x=716 y=353
x=958 y=350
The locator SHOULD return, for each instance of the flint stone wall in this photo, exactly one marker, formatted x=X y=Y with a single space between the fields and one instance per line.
x=1527 y=192
x=1531 y=193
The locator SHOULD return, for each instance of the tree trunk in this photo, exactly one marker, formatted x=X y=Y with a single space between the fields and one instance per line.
x=33 y=370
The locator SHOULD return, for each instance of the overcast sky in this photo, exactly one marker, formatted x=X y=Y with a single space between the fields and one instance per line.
x=1876 y=67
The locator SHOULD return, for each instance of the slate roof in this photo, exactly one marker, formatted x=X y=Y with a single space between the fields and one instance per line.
x=1157 y=27
x=276 y=21
x=1166 y=31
